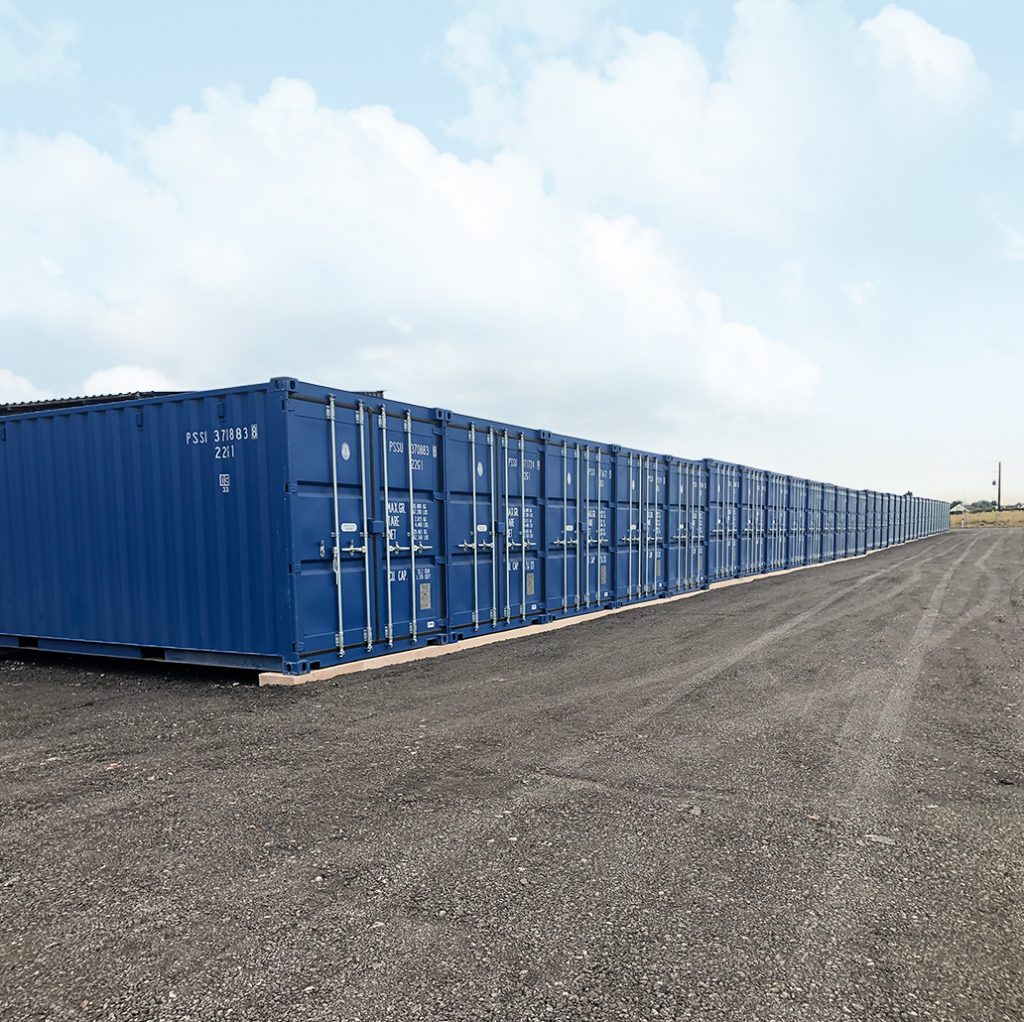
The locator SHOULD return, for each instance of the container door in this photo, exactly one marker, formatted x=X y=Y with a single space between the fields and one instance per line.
x=472 y=509
x=813 y=526
x=797 y=521
x=723 y=521
x=683 y=514
x=752 y=522
x=596 y=483
x=775 y=521
x=333 y=528
x=410 y=601
x=652 y=525
x=561 y=527
x=776 y=526
x=518 y=528
x=626 y=525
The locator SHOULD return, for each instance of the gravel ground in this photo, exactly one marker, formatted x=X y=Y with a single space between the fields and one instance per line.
x=797 y=799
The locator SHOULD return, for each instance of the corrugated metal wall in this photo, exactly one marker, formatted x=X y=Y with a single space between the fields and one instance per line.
x=291 y=526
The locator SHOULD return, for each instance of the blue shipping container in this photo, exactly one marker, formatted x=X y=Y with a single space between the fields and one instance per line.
x=287 y=526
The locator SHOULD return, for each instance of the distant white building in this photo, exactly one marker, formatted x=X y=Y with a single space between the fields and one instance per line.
x=957 y=509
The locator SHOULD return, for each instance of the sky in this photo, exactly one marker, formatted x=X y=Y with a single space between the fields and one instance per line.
x=783 y=233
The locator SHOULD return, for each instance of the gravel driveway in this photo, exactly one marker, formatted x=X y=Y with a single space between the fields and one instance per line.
x=795 y=799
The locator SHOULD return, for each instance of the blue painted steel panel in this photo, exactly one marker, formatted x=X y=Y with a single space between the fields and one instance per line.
x=796 y=549
x=149 y=524
x=842 y=533
x=861 y=541
x=828 y=522
x=753 y=521
x=814 y=522
x=723 y=496
x=776 y=525
x=471 y=470
x=685 y=534
x=288 y=526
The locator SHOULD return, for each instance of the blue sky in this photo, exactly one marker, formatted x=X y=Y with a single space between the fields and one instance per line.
x=789 y=234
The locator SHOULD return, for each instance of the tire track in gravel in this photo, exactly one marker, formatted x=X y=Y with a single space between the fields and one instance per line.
x=707 y=669
x=867 y=740
x=719 y=662
x=980 y=609
x=627 y=683
x=839 y=605
x=554 y=781
x=792 y=702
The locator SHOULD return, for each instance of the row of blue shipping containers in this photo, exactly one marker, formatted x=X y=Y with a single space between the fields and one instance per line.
x=288 y=526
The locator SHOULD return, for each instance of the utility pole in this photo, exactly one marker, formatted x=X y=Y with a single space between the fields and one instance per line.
x=999 y=490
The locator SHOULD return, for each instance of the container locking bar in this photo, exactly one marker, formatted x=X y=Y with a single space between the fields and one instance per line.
x=361 y=420
x=563 y=541
x=474 y=544
x=336 y=535
x=597 y=523
x=508 y=536
x=494 y=521
x=628 y=538
x=522 y=526
x=389 y=627
x=579 y=578
x=413 y=548
x=586 y=527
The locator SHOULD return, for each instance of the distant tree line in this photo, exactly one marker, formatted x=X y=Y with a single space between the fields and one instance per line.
x=981 y=505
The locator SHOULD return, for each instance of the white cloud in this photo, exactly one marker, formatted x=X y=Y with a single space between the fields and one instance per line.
x=32 y=51
x=859 y=294
x=741 y=366
x=125 y=380
x=15 y=388
x=1014 y=244
x=537 y=24
x=800 y=112
x=342 y=245
x=1017 y=127
x=942 y=67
